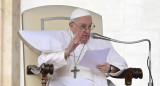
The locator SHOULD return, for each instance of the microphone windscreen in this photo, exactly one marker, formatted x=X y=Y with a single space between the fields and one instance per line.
x=93 y=35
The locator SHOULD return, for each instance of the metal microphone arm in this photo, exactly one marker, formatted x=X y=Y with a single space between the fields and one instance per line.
x=98 y=36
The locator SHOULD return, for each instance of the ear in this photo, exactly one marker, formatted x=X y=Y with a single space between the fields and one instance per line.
x=71 y=26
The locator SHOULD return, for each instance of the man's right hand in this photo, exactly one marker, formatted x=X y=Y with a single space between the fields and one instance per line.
x=76 y=40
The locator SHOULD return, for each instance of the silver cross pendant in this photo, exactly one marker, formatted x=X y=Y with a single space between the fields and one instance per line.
x=75 y=70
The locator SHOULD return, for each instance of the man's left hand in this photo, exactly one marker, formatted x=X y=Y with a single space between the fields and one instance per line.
x=104 y=67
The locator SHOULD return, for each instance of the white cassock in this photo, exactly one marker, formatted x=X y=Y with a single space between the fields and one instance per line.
x=62 y=68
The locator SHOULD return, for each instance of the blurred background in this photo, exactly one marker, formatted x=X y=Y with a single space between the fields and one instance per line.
x=126 y=20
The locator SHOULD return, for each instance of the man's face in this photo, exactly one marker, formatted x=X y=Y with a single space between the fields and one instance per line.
x=82 y=24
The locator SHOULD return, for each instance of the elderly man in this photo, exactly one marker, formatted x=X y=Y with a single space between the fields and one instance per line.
x=76 y=41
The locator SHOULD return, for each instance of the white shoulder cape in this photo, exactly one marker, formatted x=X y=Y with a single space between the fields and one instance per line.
x=46 y=41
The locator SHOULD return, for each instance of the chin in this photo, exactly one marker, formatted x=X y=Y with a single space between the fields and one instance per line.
x=85 y=41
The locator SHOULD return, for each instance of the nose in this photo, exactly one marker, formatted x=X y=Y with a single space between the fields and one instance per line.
x=87 y=30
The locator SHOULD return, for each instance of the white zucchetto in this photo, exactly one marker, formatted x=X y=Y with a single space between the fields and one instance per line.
x=79 y=12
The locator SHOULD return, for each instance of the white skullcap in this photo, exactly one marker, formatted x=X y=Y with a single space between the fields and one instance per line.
x=79 y=12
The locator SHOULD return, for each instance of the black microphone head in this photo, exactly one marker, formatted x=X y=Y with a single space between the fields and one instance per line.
x=98 y=36
x=92 y=35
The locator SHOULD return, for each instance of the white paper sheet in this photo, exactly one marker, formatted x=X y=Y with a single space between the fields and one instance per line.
x=94 y=57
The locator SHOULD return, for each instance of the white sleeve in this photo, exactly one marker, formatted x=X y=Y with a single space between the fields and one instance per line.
x=116 y=60
x=57 y=59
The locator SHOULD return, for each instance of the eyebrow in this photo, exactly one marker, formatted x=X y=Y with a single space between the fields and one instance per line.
x=86 y=24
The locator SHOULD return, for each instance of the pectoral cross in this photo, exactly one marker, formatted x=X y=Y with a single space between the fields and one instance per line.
x=75 y=71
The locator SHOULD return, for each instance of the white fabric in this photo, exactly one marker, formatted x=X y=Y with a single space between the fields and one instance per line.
x=61 y=81
x=79 y=12
x=43 y=40
x=63 y=67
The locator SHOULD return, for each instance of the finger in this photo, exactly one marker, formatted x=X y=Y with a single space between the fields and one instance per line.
x=75 y=44
x=104 y=64
x=99 y=65
x=79 y=37
x=104 y=70
x=74 y=39
x=75 y=36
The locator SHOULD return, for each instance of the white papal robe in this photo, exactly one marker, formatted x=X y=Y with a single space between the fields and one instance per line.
x=62 y=68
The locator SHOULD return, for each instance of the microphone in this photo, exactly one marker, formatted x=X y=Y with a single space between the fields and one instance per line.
x=98 y=36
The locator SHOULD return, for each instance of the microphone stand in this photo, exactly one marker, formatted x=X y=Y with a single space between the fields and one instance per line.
x=97 y=36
